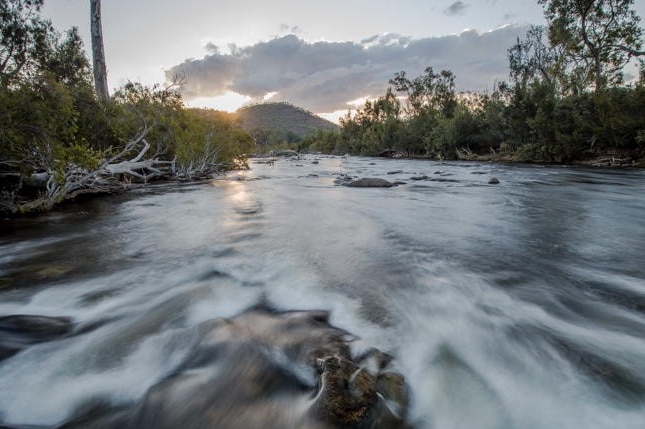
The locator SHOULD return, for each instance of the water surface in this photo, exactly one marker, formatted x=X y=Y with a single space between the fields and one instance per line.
x=517 y=305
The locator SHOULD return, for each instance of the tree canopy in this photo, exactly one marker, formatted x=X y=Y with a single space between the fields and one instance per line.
x=597 y=37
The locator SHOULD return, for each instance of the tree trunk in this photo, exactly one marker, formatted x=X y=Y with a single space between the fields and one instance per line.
x=98 y=54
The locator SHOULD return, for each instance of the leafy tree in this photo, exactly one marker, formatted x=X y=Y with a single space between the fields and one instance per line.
x=598 y=37
x=429 y=93
x=533 y=58
x=22 y=33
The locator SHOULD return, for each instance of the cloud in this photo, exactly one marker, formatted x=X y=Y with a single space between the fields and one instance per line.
x=324 y=76
x=457 y=8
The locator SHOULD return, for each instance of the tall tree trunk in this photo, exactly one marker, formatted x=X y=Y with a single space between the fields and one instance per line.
x=98 y=54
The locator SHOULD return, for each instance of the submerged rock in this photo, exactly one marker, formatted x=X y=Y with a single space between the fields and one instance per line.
x=493 y=181
x=18 y=332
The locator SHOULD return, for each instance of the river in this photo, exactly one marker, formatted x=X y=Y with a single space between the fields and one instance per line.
x=515 y=305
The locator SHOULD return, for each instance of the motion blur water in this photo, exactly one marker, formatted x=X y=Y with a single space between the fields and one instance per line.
x=517 y=305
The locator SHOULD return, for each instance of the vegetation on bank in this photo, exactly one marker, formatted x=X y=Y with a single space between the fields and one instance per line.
x=566 y=100
x=58 y=139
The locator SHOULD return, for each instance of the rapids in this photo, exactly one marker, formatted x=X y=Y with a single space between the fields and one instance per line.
x=519 y=305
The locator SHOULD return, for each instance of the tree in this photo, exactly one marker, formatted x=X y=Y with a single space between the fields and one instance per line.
x=598 y=36
x=533 y=58
x=429 y=93
x=98 y=54
x=22 y=33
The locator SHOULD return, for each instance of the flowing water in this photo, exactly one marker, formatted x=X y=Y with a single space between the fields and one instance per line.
x=516 y=305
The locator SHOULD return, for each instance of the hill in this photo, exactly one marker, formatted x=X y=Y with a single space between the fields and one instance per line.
x=283 y=119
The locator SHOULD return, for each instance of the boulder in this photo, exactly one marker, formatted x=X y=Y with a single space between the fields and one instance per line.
x=265 y=368
x=347 y=396
x=369 y=182
x=493 y=181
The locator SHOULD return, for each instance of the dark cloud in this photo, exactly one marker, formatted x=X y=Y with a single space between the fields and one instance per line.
x=324 y=76
x=457 y=8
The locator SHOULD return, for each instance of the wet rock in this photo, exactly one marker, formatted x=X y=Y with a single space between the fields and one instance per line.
x=265 y=368
x=18 y=332
x=347 y=395
x=399 y=183
x=395 y=394
x=417 y=178
x=315 y=162
x=493 y=181
x=395 y=172
x=369 y=182
x=444 y=180
x=343 y=179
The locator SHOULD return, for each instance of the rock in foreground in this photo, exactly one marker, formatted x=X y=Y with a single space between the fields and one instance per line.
x=265 y=369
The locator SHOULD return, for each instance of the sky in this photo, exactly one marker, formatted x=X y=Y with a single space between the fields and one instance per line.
x=325 y=56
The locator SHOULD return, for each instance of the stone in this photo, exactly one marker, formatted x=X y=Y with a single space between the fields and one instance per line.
x=348 y=396
x=369 y=182
x=493 y=181
x=266 y=368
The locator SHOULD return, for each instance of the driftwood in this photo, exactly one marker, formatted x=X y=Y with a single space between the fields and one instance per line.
x=202 y=165
x=133 y=164
x=111 y=176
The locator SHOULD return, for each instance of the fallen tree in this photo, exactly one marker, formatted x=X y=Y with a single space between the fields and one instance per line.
x=112 y=175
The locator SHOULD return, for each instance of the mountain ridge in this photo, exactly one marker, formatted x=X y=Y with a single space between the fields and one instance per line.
x=282 y=117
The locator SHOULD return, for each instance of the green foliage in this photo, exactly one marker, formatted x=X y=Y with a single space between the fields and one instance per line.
x=429 y=94
x=22 y=33
x=532 y=58
x=210 y=136
x=597 y=38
